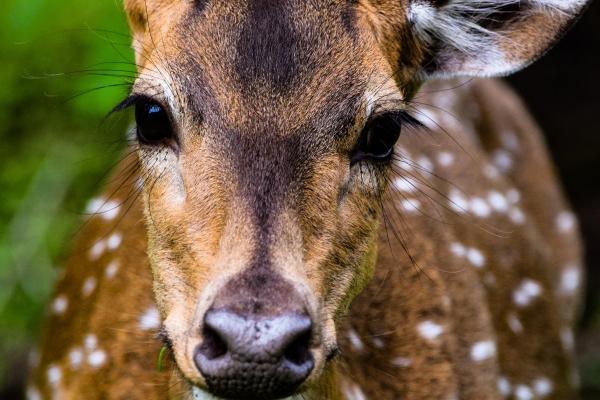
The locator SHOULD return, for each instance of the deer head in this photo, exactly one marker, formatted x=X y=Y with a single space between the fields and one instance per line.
x=265 y=133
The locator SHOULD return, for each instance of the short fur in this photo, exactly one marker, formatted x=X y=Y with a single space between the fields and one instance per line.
x=462 y=254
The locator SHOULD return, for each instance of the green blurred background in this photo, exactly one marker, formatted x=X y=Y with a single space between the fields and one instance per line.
x=55 y=146
x=65 y=64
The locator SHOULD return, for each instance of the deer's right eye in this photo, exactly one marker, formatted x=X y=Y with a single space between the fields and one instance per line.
x=153 y=123
x=377 y=140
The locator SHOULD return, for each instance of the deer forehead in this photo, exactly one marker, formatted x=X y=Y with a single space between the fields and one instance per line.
x=246 y=61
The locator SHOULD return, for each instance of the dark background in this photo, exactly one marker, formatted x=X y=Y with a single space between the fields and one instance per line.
x=55 y=150
x=562 y=90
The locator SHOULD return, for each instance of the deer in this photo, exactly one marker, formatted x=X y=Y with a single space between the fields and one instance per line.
x=324 y=199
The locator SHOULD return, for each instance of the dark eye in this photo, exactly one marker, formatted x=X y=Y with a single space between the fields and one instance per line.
x=153 y=123
x=378 y=138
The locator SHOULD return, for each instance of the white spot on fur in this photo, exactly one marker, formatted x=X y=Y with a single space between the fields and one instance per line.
x=570 y=280
x=404 y=184
x=516 y=215
x=33 y=393
x=445 y=159
x=475 y=257
x=479 y=207
x=504 y=386
x=526 y=292
x=150 y=320
x=523 y=392
x=410 y=205
x=76 y=358
x=430 y=330
x=458 y=249
x=54 y=375
x=88 y=286
x=457 y=201
x=110 y=210
x=510 y=141
x=513 y=196
x=491 y=172
x=567 y=338
x=482 y=351
x=107 y=210
x=425 y=164
x=446 y=302
x=498 y=201
x=543 y=387
x=90 y=342
x=514 y=323
x=452 y=396
x=489 y=279
x=502 y=160
x=114 y=241
x=94 y=205
x=402 y=362
x=97 y=358
x=354 y=392
x=60 y=305
x=378 y=343
x=355 y=340
x=429 y=118
x=112 y=269
x=97 y=250
x=565 y=221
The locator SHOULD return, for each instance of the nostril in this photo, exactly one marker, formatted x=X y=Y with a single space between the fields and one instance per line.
x=254 y=356
x=213 y=346
x=298 y=351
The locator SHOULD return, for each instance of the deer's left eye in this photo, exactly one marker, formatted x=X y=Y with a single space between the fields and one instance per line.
x=153 y=123
x=378 y=138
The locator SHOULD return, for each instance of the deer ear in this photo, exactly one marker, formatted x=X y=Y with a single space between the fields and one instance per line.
x=479 y=37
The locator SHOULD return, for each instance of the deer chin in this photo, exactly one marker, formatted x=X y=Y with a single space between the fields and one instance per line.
x=199 y=394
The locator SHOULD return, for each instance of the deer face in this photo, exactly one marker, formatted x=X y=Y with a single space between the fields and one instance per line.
x=266 y=131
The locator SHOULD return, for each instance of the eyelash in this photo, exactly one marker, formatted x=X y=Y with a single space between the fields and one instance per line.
x=378 y=146
x=130 y=101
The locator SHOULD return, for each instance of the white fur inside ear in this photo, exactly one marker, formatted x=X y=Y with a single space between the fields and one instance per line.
x=449 y=24
x=563 y=5
x=458 y=25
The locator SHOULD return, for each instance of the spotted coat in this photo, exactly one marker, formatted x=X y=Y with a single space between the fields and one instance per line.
x=477 y=252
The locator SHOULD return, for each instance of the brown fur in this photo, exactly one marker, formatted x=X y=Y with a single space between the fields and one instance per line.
x=260 y=186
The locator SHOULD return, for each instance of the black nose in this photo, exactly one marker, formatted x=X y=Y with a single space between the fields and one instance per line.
x=254 y=357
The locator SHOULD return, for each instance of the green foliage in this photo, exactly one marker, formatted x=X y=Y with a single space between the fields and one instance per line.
x=54 y=147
